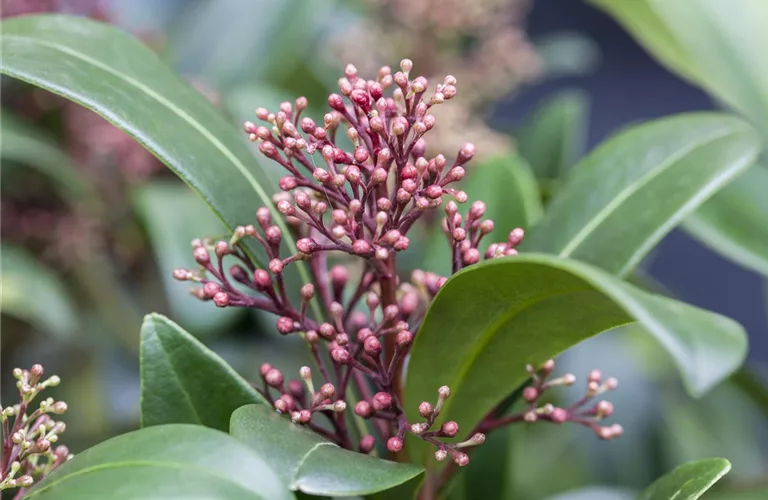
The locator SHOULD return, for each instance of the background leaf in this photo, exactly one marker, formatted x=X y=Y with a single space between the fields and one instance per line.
x=173 y=217
x=168 y=461
x=554 y=136
x=34 y=294
x=511 y=194
x=628 y=193
x=182 y=381
x=687 y=482
x=734 y=222
x=479 y=332
x=308 y=463
x=107 y=71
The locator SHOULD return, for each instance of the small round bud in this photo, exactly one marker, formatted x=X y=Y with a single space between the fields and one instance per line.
x=276 y=266
x=558 y=415
x=336 y=102
x=381 y=401
x=306 y=245
x=201 y=255
x=441 y=455
x=434 y=191
x=210 y=289
x=341 y=355
x=404 y=339
x=281 y=406
x=339 y=406
x=362 y=248
x=530 y=394
x=444 y=392
x=419 y=428
x=221 y=299
x=285 y=325
x=461 y=459
x=611 y=384
x=305 y=372
x=36 y=371
x=261 y=279
x=466 y=152
x=42 y=445
x=308 y=291
x=363 y=409
x=594 y=376
x=394 y=444
x=363 y=334
x=449 y=428
x=24 y=481
x=471 y=256
x=372 y=346
x=327 y=330
x=367 y=443
x=425 y=409
x=486 y=227
x=264 y=368
x=296 y=389
x=274 y=378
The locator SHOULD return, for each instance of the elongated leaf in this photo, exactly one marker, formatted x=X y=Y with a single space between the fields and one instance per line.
x=182 y=381
x=33 y=293
x=687 y=482
x=308 y=463
x=717 y=45
x=174 y=216
x=511 y=194
x=632 y=190
x=107 y=71
x=734 y=223
x=22 y=144
x=554 y=137
x=492 y=319
x=168 y=461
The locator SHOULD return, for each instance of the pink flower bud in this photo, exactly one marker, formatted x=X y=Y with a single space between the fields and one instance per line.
x=274 y=378
x=558 y=415
x=264 y=368
x=363 y=334
x=434 y=191
x=486 y=227
x=327 y=391
x=459 y=234
x=381 y=401
x=308 y=291
x=286 y=208
x=221 y=299
x=471 y=256
x=362 y=248
x=285 y=325
x=426 y=409
x=308 y=125
x=461 y=459
x=401 y=244
x=336 y=102
x=372 y=346
x=302 y=200
x=604 y=409
x=340 y=355
x=306 y=245
x=455 y=174
x=276 y=266
x=201 y=255
x=361 y=155
x=515 y=237
x=321 y=175
x=363 y=409
x=404 y=339
x=394 y=444
x=379 y=176
x=353 y=174
x=449 y=429
x=367 y=444
x=268 y=149
x=530 y=394
x=466 y=153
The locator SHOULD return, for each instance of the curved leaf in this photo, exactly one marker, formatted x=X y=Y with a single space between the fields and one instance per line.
x=173 y=217
x=509 y=189
x=34 y=293
x=554 y=137
x=622 y=199
x=182 y=381
x=22 y=144
x=492 y=319
x=168 y=461
x=734 y=222
x=687 y=482
x=107 y=71
x=308 y=463
x=719 y=46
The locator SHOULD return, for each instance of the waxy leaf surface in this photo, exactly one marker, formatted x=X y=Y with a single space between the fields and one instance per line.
x=687 y=482
x=182 y=381
x=306 y=462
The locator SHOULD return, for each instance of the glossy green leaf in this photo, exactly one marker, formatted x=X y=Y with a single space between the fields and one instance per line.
x=492 y=319
x=554 y=137
x=34 y=294
x=687 y=482
x=621 y=200
x=511 y=195
x=717 y=45
x=168 y=461
x=182 y=381
x=23 y=144
x=107 y=71
x=734 y=222
x=173 y=217
x=308 y=463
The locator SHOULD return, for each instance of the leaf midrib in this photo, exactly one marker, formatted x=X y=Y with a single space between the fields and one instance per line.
x=191 y=121
x=603 y=215
x=141 y=463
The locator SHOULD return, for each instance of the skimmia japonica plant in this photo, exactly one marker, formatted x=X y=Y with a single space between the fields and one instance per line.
x=411 y=371
x=363 y=203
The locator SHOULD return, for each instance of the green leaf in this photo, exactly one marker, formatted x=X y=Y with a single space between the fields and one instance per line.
x=719 y=46
x=687 y=482
x=308 y=463
x=174 y=216
x=182 y=381
x=168 y=461
x=113 y=74
x=734 y=222
x=511 y=194
x=554 y=137
x=621 y=200
x=492 y=319
x=34 y=294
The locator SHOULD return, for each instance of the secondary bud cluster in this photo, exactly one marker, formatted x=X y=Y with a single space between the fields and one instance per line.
x=586 y=411
x=28 y=439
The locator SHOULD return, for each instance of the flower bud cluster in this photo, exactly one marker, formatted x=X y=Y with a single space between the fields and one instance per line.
x=28 y=439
